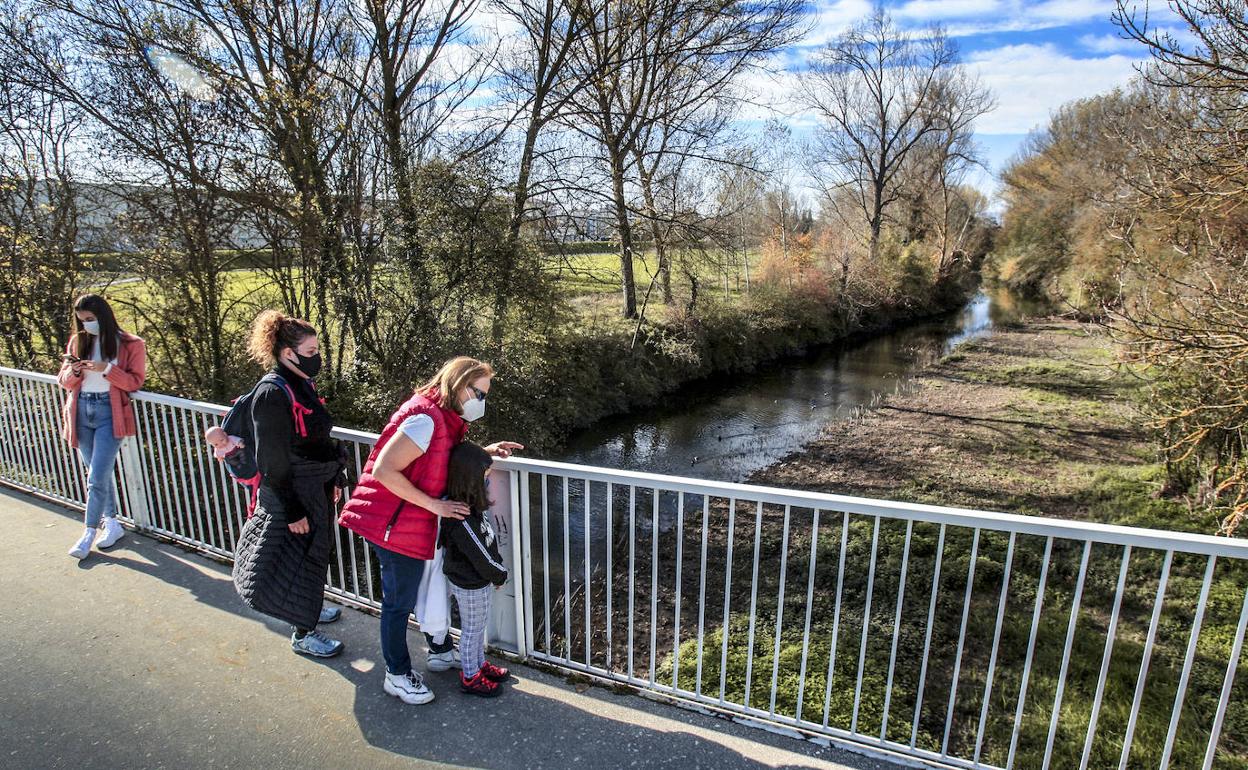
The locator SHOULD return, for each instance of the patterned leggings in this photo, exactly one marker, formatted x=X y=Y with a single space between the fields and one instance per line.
x=474 y=613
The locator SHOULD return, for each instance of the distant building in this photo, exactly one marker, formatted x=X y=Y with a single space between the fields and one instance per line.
x=555 y=224
x=108 y=215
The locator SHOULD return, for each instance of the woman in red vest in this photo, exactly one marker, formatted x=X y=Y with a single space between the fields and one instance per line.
x=102 y=366
x=398 y=501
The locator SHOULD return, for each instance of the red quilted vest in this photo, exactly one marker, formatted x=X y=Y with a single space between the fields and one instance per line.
x=385 y=519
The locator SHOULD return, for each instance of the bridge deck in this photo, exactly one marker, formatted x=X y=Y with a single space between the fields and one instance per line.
x=145 y=657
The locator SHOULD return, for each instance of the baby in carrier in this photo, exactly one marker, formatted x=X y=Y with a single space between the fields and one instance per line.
x=240 y=464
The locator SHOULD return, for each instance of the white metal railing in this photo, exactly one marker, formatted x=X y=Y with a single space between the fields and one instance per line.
x=950 y=637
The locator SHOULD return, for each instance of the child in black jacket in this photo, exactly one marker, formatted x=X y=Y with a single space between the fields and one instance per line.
x=472 y=563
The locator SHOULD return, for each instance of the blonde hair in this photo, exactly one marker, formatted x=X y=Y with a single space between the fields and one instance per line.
x=454 y=376
x=273 y=330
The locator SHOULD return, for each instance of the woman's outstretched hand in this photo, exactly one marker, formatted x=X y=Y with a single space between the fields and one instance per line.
x=503 y=449
x=449 y=509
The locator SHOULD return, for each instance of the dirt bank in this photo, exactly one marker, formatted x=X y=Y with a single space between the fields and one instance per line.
x=1035 y=419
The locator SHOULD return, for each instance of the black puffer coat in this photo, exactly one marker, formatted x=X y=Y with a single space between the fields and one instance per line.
x=277 y=572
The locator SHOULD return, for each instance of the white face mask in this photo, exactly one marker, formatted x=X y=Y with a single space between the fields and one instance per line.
x=474 y=409
x=91 y=327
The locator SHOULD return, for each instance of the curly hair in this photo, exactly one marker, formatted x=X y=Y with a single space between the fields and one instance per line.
x=273 y=330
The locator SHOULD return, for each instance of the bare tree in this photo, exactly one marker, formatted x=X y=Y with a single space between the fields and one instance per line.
x=781 y=207
x=540 y=82
x=279 y=65
x=959 y=100
x=410 y=93
x=875 y=91
x=660 y=62
x=1216 y=60
x=41 y=211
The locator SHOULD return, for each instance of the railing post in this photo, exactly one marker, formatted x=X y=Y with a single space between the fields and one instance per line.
x=134 y=483
x=505 y=518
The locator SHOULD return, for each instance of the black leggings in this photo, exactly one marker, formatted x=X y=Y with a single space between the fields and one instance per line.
x=436 y=649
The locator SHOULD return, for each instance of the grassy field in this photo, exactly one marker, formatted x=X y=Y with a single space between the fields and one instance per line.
x=599 y=273
x=590 y=282
x=591 y=276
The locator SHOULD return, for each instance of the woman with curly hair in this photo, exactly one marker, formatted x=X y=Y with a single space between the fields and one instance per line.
x=284 y=548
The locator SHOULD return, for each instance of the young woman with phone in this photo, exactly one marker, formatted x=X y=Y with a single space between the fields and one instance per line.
x=101 y=367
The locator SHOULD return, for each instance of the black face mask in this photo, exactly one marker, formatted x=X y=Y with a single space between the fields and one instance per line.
x=309 y=365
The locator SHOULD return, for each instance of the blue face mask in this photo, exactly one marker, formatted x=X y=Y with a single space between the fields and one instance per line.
x=91 y=327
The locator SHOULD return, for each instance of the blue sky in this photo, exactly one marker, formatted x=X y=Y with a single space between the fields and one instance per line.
x=1035 y=56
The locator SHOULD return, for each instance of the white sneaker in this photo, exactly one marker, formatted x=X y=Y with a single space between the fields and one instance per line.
x=112 y=532
x=409 y=688
x=444 y=661
x=83 y=547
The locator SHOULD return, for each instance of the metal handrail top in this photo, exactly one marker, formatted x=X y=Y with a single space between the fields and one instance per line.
x=1137 y=537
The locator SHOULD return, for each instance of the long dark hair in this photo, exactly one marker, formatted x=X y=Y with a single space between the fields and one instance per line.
x=465 y=479
x=110 y=332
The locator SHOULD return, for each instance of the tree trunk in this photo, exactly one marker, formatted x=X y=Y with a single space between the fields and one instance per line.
x=745 y=257
x=656 y=232
x=519 y=203
x=626 y=237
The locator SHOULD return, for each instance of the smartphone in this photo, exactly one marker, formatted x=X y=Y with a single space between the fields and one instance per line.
x=71 y=358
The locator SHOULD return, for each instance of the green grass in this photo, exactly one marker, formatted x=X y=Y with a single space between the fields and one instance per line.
x=599 y=273
x=1084 y=663
x=579 y=275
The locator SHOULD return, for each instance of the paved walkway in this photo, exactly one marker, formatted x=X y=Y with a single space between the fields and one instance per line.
x=144 y=657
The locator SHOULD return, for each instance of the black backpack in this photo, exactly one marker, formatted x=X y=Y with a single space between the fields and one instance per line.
x=241 y=465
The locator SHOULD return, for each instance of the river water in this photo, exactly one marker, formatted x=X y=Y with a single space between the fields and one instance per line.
x=731 y=427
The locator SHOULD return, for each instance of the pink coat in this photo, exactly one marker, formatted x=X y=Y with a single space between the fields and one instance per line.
x=125 y=377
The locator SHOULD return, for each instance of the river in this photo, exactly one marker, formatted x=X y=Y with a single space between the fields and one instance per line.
x=729 y=428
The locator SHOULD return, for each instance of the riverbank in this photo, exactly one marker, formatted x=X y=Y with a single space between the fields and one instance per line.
x=1037 y=419
x=599 y=367
x=1033 y=419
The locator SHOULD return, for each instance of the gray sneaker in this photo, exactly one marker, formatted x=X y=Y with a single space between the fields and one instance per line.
x=316 y=644
x=329 y=614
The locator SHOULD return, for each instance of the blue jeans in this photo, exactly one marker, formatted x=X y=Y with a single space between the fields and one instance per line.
x=98 y=447
x=400 y=582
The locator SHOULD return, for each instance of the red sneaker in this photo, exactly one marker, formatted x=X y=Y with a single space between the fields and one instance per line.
x=480 y=685
x=494 y=673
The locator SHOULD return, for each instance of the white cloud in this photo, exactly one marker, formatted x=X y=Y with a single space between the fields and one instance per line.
x=771 y=95
x=939 y=10
x=1062 y=12
x=1110 y=44
x=493 y=23
x=1030 y=81
x=834 y=17
x=961 y=17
